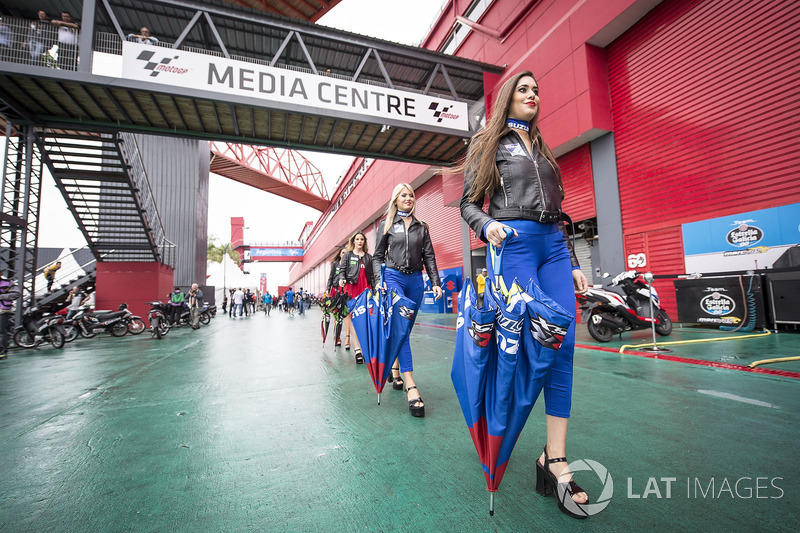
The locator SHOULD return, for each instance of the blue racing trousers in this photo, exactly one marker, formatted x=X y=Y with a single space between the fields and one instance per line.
x=539 y=252
x=412 y=287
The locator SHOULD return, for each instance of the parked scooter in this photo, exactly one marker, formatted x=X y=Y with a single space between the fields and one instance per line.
x=610 y=313
x=157 y=316
x=37 y=328
x=114 y=322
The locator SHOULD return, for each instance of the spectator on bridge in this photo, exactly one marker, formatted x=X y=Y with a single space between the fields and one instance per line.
x=142 y=37
x=40 y=38
x=6 y=42
x=67 y=41
x=50 y=274
x=8 y=295
x=176 y=302
x=403 y=242
x=354 y=276
x=75 y=299
x=195 y=305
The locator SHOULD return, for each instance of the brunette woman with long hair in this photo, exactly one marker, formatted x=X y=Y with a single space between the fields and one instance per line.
x=509 y=162
x=354 y=276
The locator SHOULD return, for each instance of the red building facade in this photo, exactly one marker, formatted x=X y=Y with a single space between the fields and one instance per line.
x=661 y=114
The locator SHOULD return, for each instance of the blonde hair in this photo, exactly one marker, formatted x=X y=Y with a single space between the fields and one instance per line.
x=391 y=209
x=351 y=244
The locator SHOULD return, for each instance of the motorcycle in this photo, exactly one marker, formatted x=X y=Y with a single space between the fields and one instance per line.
x=607 y=312
x=115 y=322
x=157 y=316
x=37 y=329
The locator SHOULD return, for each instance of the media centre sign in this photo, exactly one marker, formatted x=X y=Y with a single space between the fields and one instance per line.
x=178 y=68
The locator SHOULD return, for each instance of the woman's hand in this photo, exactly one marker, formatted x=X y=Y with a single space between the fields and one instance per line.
x=437 y=292
x=496 y=233
x=382 y=288
x=581 y=285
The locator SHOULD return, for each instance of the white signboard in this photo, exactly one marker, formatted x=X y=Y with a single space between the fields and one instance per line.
x=178 y=68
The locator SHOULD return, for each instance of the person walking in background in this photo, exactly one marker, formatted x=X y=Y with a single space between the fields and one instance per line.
x=403 y=242
x=9 y=293
x=301 y=302
x=50 y=274
x=267 y=300
x=238 y=302
x=355 y=275
x=481 y=279
x=224 y=301
x=509 y=162
x=288 y=299
x=195 y=305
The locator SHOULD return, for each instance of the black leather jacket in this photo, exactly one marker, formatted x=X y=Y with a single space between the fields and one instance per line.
x=528 y=186
x=349 y=267
x=332 y=275
x=406 y=252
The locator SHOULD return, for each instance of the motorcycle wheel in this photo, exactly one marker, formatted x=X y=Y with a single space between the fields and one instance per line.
x=24 y=339
x=205 y=318
x=136 y=326
x=163 y=328
x=663 y=324
x=119 y=329
x=599 y=332
x=87 y=334
x=56 y=337
x=71 y=333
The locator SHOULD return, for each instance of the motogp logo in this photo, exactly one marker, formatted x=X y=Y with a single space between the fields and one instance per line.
x=439 y=115
x=160 y=66
x=547 y=334
x=481 y=333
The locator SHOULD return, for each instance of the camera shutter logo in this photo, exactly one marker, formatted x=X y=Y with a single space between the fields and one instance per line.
x=603 y=500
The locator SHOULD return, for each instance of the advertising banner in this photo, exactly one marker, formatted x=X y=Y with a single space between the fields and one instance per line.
x=318 y=93
x=720 y=301
x=746 y=241
x=275 y=252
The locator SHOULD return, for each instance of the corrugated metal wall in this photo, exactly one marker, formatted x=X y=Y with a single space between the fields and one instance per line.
x=444 y=223
x=576 y=172
x=702 y=95
x=178 y=174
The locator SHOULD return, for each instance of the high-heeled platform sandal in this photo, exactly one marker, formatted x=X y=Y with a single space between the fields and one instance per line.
x=416 y=405
x=359 y=357
x=547 y=483
x=397 y=382
x=347 y=342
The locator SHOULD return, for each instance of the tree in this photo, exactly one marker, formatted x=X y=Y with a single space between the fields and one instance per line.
x=217 y=252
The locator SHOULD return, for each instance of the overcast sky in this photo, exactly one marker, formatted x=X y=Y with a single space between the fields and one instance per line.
x=268 y=217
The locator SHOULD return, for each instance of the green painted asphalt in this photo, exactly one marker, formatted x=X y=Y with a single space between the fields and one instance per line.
x=253 y=424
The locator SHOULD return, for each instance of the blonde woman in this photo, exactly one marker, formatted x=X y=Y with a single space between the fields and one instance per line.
x=354 y=276
x=403 y=242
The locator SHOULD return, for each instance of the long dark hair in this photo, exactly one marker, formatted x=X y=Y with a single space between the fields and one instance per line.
x=337 y=256
x=481 y=156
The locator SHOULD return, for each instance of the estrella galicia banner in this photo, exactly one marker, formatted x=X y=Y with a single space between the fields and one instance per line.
x=746 y=241
x=179 y=68
x=720 y=301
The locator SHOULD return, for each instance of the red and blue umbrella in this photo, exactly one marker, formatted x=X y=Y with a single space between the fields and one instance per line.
x=381 y=322
x=498 y=378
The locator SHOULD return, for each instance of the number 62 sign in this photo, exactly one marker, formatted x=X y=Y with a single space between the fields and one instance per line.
x=637 y=260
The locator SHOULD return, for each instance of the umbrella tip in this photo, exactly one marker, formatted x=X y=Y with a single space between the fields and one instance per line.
x=491 y=513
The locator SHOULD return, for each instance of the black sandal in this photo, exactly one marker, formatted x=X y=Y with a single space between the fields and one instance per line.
x=416 y=405
x=359 y=357
x=547 y=483
x=397 y=382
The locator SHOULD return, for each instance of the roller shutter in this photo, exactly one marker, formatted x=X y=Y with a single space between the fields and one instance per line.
x=444 y=223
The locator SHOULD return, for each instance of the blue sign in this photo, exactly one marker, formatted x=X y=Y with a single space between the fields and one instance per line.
x=276 y=252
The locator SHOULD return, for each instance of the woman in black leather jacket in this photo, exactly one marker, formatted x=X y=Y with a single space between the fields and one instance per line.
x=509 y=162
x=354 y=275
x=333 y=287
x=404 y=244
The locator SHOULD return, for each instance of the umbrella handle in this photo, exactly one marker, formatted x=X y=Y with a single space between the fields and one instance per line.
x=496 y=257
